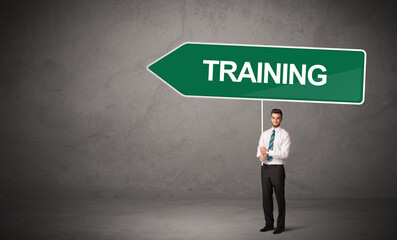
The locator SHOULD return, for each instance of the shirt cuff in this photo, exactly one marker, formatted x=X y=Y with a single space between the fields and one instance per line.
x=258 y=152
x=270 y=153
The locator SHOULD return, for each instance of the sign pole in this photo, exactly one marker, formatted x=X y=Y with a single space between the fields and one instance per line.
x=261 y=116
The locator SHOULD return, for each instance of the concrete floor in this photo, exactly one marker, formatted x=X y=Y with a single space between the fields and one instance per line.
x=175 y=219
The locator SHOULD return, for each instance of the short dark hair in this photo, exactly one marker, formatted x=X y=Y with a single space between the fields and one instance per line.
x=277 y=111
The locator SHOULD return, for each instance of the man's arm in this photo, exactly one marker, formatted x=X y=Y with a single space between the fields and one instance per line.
x=285 y=147
x=261 y=151
x=260 y=145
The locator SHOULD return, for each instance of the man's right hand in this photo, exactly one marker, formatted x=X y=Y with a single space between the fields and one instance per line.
x=263 y=150
x=261 y=158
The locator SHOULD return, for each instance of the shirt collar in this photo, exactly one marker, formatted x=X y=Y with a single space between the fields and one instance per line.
x=277 y=128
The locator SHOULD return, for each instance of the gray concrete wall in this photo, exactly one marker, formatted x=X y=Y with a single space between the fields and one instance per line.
x=78 y=109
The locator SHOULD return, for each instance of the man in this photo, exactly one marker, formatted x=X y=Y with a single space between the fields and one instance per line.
x=273 y=149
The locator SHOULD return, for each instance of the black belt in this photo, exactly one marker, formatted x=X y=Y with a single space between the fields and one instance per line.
x=272 y=166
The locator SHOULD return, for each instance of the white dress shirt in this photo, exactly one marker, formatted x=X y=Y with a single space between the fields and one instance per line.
x=281 y=145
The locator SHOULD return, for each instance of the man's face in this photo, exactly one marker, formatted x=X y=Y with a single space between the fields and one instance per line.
x=276 y=119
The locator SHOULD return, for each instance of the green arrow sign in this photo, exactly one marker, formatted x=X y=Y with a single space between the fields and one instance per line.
x=295 y=74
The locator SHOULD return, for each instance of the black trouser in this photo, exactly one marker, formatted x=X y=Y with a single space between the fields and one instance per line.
x=273 y=176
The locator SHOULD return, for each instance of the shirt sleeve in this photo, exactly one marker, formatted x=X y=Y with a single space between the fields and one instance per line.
x=260 y=144
x=284 y=151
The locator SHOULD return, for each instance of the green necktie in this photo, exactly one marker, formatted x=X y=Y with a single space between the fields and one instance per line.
x=271 y=145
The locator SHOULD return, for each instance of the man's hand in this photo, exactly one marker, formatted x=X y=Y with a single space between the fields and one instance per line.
x=261 y=158
x=263 y=150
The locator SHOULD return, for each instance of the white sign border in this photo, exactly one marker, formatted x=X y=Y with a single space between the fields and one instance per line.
x=264 y=99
